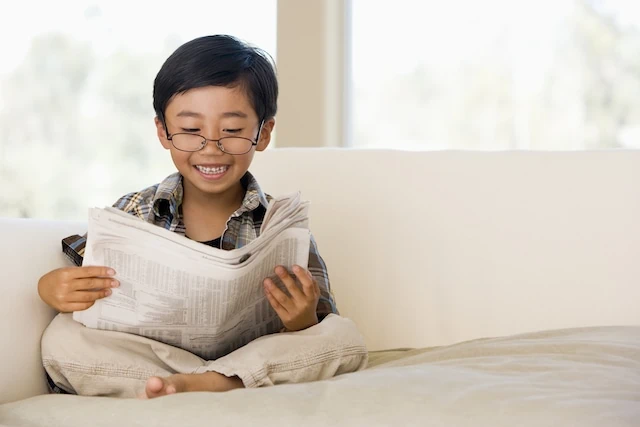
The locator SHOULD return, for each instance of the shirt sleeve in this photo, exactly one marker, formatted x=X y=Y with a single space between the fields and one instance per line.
x=73 y=248
x=318 y=269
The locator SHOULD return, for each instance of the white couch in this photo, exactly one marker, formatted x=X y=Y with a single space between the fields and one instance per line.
x=424 y=249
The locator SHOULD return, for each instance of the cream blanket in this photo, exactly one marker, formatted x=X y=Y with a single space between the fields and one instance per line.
x=574 y=377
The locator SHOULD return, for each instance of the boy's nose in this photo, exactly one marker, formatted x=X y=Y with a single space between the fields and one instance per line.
x=213 y=148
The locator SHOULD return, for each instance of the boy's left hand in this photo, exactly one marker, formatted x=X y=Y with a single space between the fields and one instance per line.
x=298 y=309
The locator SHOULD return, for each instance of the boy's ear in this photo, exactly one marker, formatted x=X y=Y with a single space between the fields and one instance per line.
x=162 y=133
x=265 y=134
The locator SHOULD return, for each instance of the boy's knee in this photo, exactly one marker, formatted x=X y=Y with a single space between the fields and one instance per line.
x=59 y=334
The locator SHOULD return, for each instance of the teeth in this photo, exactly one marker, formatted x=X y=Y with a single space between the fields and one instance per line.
x=212 y=171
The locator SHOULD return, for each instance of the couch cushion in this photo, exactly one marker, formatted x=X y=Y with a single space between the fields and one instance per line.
x=582 y=377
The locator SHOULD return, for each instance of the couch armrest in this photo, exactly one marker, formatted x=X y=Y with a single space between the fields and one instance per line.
x=28 y=249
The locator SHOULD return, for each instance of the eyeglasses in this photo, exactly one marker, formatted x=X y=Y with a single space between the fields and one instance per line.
x=234 y=145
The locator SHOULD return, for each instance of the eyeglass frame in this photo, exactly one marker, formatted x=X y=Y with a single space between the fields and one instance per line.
x=217 y=141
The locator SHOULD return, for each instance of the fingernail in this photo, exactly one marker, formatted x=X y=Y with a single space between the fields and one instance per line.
x=297 y=268
x=111 y=272
x=115 y=283
x=280 y=271
x=107 y=292
x=267 y=283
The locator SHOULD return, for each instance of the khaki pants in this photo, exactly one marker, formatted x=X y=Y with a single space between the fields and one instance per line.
x=106 y=363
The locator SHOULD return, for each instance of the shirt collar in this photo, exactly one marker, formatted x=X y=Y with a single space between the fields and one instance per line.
x=254 y=196
x=168 y=197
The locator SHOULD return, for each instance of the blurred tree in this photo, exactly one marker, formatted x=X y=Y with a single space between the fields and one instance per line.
x=78 y=128
x=42 y=98
x=610 y=64
x=126 y=94
x=585 y=97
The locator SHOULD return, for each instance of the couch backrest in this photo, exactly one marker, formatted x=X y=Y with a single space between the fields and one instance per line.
x=431 y=248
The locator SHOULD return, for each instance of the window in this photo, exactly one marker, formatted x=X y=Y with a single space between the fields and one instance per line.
x=497 y=74
x=76 y=79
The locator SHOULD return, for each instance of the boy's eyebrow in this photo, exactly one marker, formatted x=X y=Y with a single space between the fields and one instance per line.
x=234 y=114
x=187 y=113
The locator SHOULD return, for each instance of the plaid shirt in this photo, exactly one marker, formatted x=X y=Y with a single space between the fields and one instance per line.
x=161 y=205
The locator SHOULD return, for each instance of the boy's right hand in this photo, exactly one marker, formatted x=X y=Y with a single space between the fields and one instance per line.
x=76 y=288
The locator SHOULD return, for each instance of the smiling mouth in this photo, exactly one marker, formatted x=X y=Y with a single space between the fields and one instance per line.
x=212 y=170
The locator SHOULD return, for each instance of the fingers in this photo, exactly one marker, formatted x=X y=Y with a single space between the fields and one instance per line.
x=309 y=289
x=85 y=272
x=297 y=311
x=289 y=282
x=275 y=304
x=300 y=294
x=87 y=296
x=94 y=283
x=309 y=284
x=277 y=296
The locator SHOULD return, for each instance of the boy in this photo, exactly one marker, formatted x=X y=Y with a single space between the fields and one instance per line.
x=215 y=100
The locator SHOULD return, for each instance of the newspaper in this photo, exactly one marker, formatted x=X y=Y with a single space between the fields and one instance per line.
x=205 y=300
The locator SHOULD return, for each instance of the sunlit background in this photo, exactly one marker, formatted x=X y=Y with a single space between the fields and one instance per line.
x=76 y=116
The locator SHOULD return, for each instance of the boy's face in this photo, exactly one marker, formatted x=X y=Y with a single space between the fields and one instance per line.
x=213 y=112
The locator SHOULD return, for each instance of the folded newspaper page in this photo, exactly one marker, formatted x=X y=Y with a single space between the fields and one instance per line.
x=172 y=289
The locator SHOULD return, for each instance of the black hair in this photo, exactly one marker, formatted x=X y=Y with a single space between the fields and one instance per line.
x=218 y=60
